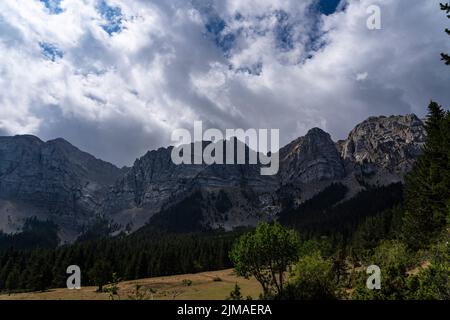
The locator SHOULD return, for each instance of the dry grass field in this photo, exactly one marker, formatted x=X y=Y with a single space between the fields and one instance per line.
x=205 y=286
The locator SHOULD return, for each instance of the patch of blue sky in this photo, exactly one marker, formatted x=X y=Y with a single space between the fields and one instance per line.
x=113 y=17
x=256 y=69
x=316 y=42
x=286 y=26
x=328 y=7
x=53 y=6
x=51 y=51
x=284 y=31
x=216 y=28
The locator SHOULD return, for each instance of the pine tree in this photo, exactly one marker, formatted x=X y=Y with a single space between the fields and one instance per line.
x=446 y=150
x=427 y=187
x=101 y=274
x=141 y=266
x=446 y=7
x=12 y=281
x=236 y=295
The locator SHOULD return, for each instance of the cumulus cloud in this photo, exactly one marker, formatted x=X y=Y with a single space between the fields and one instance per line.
x=116 y=77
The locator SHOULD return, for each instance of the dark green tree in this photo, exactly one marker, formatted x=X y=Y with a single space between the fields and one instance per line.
x=427 y=190
x=446 y=7
x=101 y=274
x=393 y=259
x=236 y=294
x=113 y=287
x=12 y=281
x=43 y=278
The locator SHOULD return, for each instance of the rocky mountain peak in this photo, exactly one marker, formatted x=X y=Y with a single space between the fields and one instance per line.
x=392 y=143
x=26 y=138
x=50 y=178
x=311 y=158
x=56 y=180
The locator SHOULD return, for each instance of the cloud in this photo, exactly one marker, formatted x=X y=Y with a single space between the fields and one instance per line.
x=3 y=132
x=115 y=77
x=362 y=76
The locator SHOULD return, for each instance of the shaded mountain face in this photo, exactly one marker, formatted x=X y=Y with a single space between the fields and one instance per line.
x=310 y=159
x=50 y=180
x=155 y=184
x=59 y=181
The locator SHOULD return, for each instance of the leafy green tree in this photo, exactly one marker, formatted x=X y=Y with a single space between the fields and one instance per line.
x=266 y=254
x=427 y=190
x=313 y=278
x=446 y=7
x=394 y=260
x=322 y=245
x=113 y=287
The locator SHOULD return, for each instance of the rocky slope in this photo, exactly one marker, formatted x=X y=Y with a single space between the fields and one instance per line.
x=57 y=180
x=389 y=143
x=311 y=159
x=51 y=180
x=155 y=183
x=379 y=151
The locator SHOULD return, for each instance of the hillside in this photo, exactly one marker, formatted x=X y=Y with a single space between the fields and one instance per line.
x=205 y=286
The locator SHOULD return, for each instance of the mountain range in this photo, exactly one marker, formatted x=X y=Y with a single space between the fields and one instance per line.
x=56 y=181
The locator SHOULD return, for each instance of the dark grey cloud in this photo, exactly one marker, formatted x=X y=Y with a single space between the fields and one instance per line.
x=117 y=141
x=3 y=132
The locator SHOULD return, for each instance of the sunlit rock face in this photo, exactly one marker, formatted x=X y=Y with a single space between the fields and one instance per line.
x=389 y=143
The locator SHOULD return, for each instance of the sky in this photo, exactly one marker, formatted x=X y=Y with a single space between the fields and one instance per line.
x=116 y=77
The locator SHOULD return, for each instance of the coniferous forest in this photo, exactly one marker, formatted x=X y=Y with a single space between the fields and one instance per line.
x=131 y=257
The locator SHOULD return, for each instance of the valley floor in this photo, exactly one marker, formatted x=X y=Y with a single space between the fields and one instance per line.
x=215 y=285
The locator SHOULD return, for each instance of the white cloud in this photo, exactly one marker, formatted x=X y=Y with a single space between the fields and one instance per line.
x=265 y=64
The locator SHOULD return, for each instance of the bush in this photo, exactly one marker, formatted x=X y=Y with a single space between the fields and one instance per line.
x=187 y=282
x=312 y=279
x=235 y=295
x=138 y=294
x=433 y=283
x=394 y=260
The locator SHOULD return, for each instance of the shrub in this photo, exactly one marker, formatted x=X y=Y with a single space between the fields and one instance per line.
x=187 y=282
x=312 y=279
